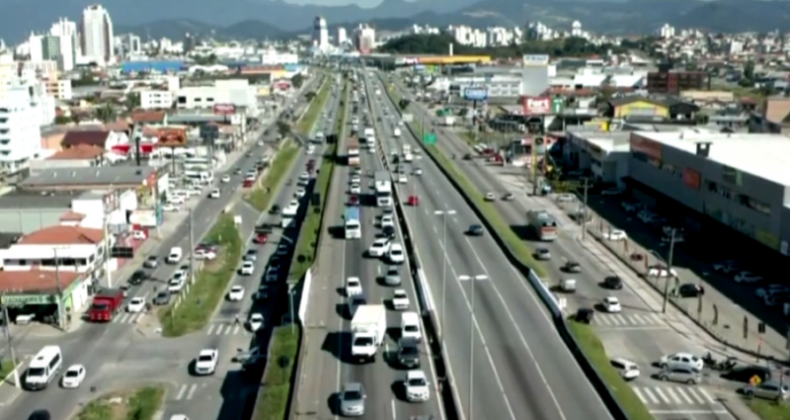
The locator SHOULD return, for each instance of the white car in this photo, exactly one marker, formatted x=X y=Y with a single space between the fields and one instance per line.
x=400 y=300
x=353 y=286
x=395 y=254
x=206 y=362
x=176 y=284
x=379 y=247
x=255 y=322
x=661 y=271
x=612 y=191
x=356 y=179
x=628 y=369
x=418 y=171
x=73 y=377
x=355 y=189
x=299 y=193
x=214 y=193
x=402 y=179
x=225 y=179
x=236 y=293
x=136 y=305
x=171 y=207
x=687 y=359
x=490 y=197
x=616 y=235
x=387 y=220
x=272 y=274
x=205 y=254
x=247 y=268
x=747 y=277
x=176 y=200
x=417 y=387
x=611 y=304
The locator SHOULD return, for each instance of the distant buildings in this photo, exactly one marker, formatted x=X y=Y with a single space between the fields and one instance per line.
x=20 y=136
x=320 y=33
x=342 y=36
x=365 y=39
x=97 y=34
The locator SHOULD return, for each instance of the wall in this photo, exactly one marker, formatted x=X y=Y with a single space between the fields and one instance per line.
x=29 y=219
x=40 y=165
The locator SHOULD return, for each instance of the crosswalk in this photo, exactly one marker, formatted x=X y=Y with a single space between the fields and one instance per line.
x=128 y=318
x=201 y=391
x=676 y=396
x=185 y=392
x=646 y=320
x=226 y=329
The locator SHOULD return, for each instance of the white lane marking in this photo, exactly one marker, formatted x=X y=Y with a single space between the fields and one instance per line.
x=394 y=413
x=181 y=392
x=688 y=412
x=210 y=329
x=192 y=390
x=236 y=329
x=339 y=365
x=518 y=330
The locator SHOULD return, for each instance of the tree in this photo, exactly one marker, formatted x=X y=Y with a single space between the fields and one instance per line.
x=283 y=128
x=206 y=60
x=132 y=101
x=61 y=119
x=748 y=71
x=105 y=113
x=297 y=80
x=404 y=103
x=309 y=95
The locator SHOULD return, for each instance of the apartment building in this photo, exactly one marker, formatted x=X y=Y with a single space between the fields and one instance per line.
x=20 y=129
x=156 y=99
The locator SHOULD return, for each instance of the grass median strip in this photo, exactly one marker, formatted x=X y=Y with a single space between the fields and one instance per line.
x=306 y=123
x=196 y=305
x=140 y=404
x=265 y=190
x=768 y=410
x=273 y=398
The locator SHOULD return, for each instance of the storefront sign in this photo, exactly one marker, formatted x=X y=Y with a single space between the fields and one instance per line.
x=224 y=109
x=22 y=300
x=144 y=218
x=535 y=60
x=172 y=137
x=691 y=178
x=475 y=93
x=537 y=106
x=645 y=146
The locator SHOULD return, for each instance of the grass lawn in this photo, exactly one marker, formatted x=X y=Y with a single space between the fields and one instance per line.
x=768 y=410
x=593 y=349
x=280 y=167
x=306 y=123
x=139 y=404
x=6 y=367
x=311 y=228
x=197 y=306
x=273 y=396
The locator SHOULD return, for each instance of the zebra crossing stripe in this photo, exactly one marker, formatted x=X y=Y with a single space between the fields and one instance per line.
x=674 y=395
x=224 y=329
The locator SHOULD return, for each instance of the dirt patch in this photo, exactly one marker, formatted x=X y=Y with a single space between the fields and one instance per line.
x=139 y=404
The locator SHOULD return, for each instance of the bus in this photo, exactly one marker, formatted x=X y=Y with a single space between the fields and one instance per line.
x=200 y=177
x=542 y=224
x=353 y=224
x=198 y=164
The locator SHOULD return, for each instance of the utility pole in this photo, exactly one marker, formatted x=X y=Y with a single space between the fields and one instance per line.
x=59 y=290
x=107 y=248
x=191 y=246
x=6 y=321
x=669 y=270
x=584 y=208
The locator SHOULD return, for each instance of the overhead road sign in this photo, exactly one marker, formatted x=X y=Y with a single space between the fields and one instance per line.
x=475 y=93
x=535 y=60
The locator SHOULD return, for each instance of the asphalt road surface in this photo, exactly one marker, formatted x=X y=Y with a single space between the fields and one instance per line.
x=115 y=355
x=637 y=334
x=521 y=368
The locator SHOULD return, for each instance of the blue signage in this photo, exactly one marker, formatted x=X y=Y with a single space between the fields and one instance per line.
x=476 y=93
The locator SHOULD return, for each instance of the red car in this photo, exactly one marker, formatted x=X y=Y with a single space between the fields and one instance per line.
x=353 y=200
x=261 y=238
x=414 y=200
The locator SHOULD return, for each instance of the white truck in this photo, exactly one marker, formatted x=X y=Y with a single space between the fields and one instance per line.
x=447 y=121
x=382 y=183
x=368 y=328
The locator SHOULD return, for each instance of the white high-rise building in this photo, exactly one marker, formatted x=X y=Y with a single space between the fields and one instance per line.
x=8 y=73
x=97 y=35
x=320 y=33
x=342 y=36
x=66 y=31
x=20 y=132
x=365 y=39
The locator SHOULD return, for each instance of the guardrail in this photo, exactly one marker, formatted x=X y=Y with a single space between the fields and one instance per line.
x=536 y=282
x=444 y=381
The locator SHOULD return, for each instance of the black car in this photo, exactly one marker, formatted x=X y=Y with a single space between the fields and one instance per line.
x=746 y=373
x=690 y=290
x=584 y=315
x=40 y=415
x=408 y=353
x=613 y=282
x=475 y=230
x=388 y=231
x=275 y=209
x=162 y=298
x=137 y=277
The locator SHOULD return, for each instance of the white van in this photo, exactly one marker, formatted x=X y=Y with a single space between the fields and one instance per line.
x=43 y=368
x=175 y=255
x=410 y=326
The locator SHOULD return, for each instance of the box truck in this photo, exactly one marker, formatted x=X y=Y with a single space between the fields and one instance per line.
x=368 y=329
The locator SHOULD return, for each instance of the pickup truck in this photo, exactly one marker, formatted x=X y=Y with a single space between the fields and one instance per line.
x=105 y=304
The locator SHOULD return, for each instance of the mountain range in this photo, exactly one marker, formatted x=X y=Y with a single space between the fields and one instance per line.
x=260 y=19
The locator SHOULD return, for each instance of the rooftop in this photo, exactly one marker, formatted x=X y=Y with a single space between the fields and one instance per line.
x=103 y=176
x=35 y=281
x=78 y=152
x=63 y=235
x=8 y=239
x=763 y=155
x=21 y=200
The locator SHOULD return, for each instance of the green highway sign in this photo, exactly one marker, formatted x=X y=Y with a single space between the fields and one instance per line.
x=429 y=138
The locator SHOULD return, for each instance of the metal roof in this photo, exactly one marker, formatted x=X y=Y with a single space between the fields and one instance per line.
x=109 y=175
x=20 y=200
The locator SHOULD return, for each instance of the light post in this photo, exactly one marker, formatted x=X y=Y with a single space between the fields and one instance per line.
x=668 y=264
x=443 y=214
x=473 y=279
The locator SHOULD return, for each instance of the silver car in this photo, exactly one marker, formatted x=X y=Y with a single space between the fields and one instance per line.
x=686 y=375
x=352 y=400
x=770 y=389
x=392 y=278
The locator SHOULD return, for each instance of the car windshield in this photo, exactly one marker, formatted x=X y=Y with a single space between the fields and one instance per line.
x=205 y=358
x=417 y=382
x=363 y=341
x=72 y=373
x=352 y=396
x=396 y=251
x=411 y=328
x=100 y=306
x=408 y=351
x=34 y=372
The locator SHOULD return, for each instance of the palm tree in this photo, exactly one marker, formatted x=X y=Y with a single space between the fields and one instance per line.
x=105 y=113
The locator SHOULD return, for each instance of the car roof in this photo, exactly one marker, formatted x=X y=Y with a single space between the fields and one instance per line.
x=207 y=352
x=352 y=386
x=415 y=374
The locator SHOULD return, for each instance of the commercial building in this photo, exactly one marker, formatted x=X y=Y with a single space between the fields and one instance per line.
x=153 y=66
x=365 y=39
x=673 y=82
x=342 y=36
x=97 y=35
x=20 y=129
x=658 y=108
x=156 y=99
x=86 y=179
x=66 y=32
x=236 y=92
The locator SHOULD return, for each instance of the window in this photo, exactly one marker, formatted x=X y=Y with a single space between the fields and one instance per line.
x=198 y=99
x=209 y=99
x=732 y=176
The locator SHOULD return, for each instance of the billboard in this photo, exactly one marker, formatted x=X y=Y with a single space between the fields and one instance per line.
x=535 y=60
x=171 y=137
x=224 y=109
x=475 y=93
x=537 y=106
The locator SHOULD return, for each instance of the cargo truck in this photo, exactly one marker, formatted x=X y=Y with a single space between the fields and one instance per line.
x=105 y=304
x=352 y=152
x=368 y=328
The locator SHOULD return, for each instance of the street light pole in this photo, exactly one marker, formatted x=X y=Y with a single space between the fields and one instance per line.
x=669 y=269
x=444 y=214
x=584 y=209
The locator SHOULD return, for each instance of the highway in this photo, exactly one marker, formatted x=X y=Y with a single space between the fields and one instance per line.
x=638 y=333
x=506 y=358
x=117 y=355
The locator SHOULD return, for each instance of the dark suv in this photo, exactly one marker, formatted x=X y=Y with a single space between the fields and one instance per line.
x=408 y=353
x=613 y=282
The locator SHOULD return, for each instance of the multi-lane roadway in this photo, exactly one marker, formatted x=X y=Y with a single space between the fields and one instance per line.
x=637 y=334
x=119 y=355
x=505 y=356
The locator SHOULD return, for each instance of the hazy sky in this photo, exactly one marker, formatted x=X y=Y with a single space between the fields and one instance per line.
x=361 y=3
